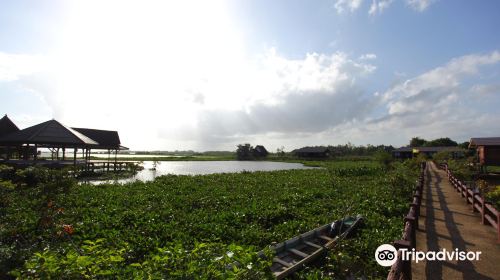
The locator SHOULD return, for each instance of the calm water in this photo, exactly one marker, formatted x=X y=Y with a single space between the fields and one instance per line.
x=207 y=167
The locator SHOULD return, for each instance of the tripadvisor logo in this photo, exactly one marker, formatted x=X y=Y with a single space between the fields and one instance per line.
x=386 y=255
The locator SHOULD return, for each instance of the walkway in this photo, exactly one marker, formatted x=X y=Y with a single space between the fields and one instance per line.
x=448 y=222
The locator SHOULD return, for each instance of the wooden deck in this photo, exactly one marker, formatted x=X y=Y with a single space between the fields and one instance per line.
x=448 y=222
x=93 y=165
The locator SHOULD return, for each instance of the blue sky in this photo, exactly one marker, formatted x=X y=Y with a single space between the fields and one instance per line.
x=208 y=75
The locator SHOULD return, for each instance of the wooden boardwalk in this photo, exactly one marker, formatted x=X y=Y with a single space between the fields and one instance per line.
x=448 y=222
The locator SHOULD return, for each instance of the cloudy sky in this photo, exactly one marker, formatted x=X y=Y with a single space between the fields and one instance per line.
x=207 y=75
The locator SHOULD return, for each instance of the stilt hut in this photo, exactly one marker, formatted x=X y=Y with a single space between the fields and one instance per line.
x=488 y=150
x=107 y=140
x=51 y=135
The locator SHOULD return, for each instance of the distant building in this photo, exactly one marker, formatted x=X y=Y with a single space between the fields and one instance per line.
x=410 y=152
x=488 y=150
x=312 y=152
x=260 y=151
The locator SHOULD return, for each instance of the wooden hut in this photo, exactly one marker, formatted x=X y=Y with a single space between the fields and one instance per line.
x=260 y=151
x=488 y=150
x=312 y=152
x=410 y=152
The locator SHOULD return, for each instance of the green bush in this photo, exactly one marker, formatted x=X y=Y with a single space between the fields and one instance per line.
x=494 y=197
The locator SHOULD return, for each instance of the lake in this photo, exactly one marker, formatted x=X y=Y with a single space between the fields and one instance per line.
x=206 y=167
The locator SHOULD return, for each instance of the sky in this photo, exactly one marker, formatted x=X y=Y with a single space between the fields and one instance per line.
x=209 y=75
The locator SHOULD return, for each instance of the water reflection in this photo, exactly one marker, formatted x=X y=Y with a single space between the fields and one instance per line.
x=205 y=167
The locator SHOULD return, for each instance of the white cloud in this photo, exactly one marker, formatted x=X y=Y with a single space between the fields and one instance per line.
x=484 y=90
x=351 y=5
x=420 y=5
x=440 y=83
x=378 y=6
x=14 y=66
x=299 y=98
x=440 y=102
x=368 y=56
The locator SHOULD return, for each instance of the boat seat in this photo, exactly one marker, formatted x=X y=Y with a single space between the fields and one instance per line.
x=298 y=253
x=324 y=237
x=282 y=262
x=313 y=245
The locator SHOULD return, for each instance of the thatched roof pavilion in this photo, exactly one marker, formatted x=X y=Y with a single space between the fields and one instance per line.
x=55 y=136
x=49 y=134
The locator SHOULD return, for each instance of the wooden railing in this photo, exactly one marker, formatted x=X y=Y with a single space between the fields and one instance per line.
x=489 y=214
x=402 y=269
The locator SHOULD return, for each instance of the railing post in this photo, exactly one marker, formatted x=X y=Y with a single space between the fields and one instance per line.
x=412 y=221
x=498 y=226
x=406 y=264
x=482 y=209
x=417 y=213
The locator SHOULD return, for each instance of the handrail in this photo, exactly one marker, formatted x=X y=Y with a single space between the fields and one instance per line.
x=402 y=269
x=489 y=214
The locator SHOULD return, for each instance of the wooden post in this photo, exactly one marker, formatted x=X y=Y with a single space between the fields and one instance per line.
x=74 y=156
x=498 y=226
x=109 y=155
x=116 y=152
x=417 y=213
x=413 y=233
x=406 y=269
x=64 y=154
x=482 y=209
x=35 y=157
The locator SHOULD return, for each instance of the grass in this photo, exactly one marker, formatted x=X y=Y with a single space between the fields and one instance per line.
x=194 y=226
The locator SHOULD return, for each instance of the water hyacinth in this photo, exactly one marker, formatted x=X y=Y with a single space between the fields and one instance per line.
x=193 y=227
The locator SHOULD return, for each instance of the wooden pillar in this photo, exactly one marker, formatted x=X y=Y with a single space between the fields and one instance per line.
x=109 y=155
x=26 y=151
x=74 y=156
x=116 y=152
x=88 y=152
x=35 y=156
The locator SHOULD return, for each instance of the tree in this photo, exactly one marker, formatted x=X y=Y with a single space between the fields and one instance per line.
x=383 y=158
x=244 y=152
x=417 y=142
x=280 y=151
x=464 y=145
x=441 y=142
x=442 y=156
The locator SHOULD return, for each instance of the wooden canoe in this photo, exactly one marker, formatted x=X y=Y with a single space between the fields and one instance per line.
x=294 y=253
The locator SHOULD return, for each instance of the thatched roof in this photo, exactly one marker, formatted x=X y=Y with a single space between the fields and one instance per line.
x=7 y=126
x=107 y=139
x=49 y=133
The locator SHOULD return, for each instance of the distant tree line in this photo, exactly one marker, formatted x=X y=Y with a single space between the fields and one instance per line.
x=439 y=142
x=353 y=150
